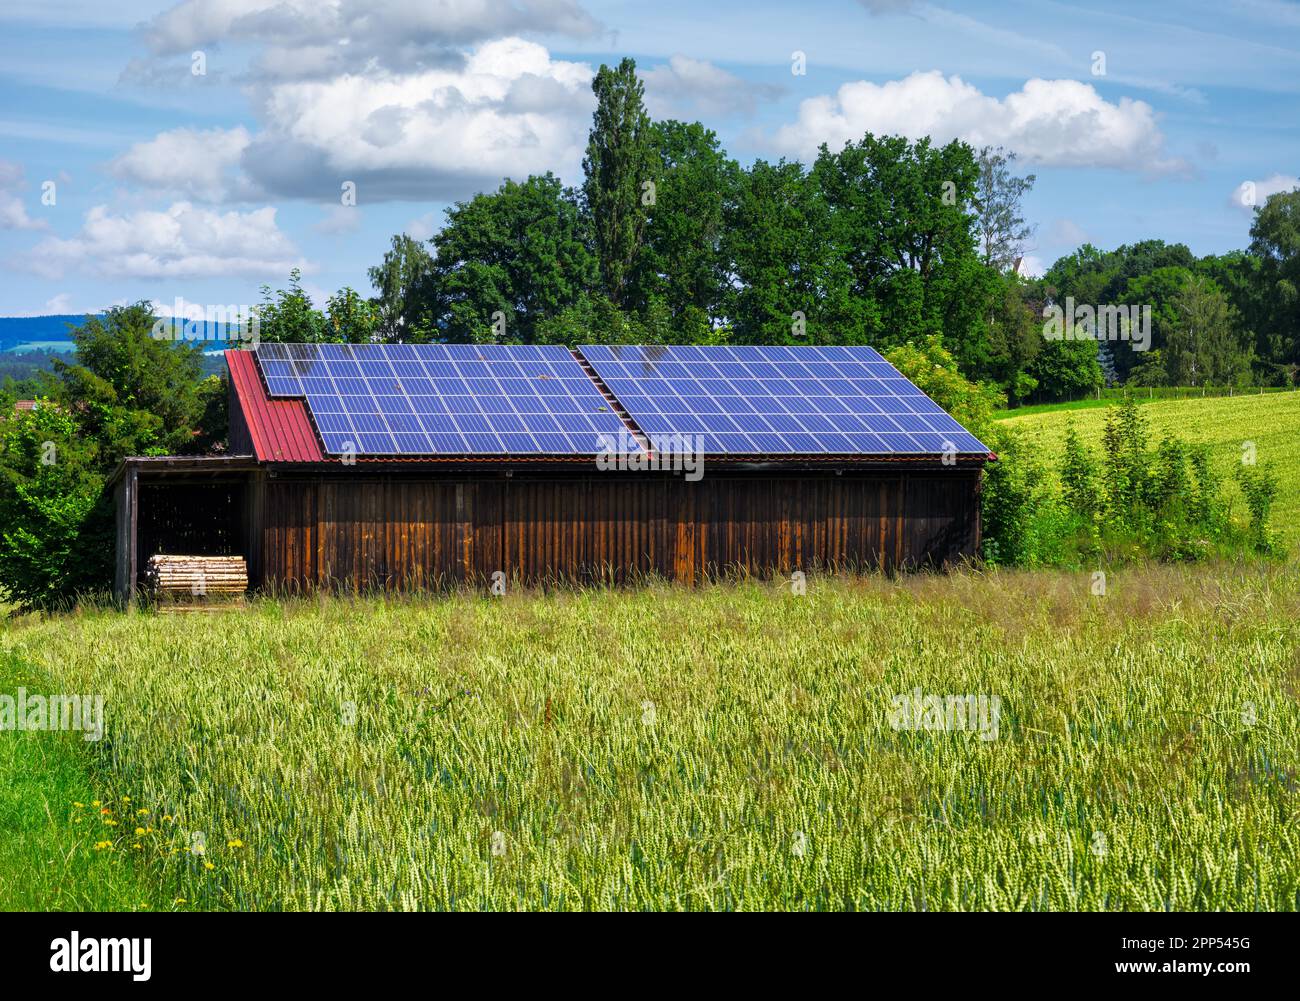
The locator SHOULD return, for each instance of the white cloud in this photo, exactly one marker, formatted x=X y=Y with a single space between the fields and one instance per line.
x=1250 y=194
x=13 y=213
x=1058 y=123
x=506 y=110
x=182 y=242
x=303 y=38
x=512 y=110
x=201 y=164
x=687 y=88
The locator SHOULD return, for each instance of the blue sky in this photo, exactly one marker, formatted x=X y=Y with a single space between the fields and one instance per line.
x=199 y=150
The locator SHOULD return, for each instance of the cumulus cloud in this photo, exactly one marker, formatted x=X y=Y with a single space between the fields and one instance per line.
x=182 y=242
x=407 y=99
x=1250 y=194
x=200 y=164
x=432 y=135
x=687 y=88
x=311 y=38
x=1059 y=123
x=13 y=213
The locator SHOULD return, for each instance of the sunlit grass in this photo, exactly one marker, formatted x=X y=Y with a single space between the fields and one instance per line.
x=726 y=747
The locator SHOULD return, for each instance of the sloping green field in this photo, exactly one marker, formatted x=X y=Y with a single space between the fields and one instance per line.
x=1226 y=424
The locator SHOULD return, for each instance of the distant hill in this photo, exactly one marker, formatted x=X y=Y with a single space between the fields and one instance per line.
x=51 y=332
x=30 y=343
x=16 y=331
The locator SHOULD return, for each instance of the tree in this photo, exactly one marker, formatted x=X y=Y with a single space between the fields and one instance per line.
x=787 y=284
x=288 y=316
x=1275 y=241
x=127 y=393
x=681 y=263
x=134 y=393
x=56 y=522
x=403 y=295
x=1002 y=228
x=351 y=318
x=1015 y=336
x=1066 y=368
x=619 y=162
x=510 y=259
x=901 y=221
x=1203 y=347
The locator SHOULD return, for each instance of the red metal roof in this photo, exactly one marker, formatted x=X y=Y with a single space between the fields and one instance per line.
x=281 y=429
x=25 y=405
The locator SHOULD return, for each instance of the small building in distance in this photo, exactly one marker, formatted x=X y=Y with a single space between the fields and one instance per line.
x=427 y=466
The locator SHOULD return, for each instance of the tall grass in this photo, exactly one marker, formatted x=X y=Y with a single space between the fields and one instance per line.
x=719 y=748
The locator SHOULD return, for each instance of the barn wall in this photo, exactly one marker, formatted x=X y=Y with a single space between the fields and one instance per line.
x=389 y=531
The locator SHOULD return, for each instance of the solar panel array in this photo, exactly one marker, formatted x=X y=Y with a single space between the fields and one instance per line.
x=521 y=400
x=444 y=399
x=776 y=400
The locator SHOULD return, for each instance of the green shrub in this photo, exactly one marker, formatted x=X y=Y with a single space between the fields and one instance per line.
x=56 y=524
x=1259 y=486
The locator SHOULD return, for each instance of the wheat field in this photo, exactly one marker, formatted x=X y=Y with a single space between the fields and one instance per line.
x=727 y=747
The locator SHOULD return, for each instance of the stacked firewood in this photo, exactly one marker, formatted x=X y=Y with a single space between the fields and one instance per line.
x=196 y=577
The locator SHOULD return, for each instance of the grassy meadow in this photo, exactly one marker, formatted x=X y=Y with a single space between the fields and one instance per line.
x=1271 y=421
x=727 y=747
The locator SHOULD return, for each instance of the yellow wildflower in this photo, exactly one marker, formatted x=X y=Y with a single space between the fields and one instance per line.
x=139 y=831
x=142 y=812
x=235 y=844
x=208 y=865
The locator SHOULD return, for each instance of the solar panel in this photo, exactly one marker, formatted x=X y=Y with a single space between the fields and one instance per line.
x=446 y=399
x=776 y=400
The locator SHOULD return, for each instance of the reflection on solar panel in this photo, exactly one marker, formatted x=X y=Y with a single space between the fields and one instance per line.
x=445 y=399
x=777 y=400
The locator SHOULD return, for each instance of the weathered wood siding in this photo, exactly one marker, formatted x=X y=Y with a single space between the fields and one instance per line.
x=376 y=531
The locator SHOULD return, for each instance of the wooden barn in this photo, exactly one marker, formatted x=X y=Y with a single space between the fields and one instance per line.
x=398 y=466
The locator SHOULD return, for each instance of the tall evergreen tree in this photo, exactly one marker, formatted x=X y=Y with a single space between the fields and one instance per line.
x=618 y=166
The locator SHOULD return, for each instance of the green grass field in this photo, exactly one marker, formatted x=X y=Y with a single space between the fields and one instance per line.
x=1271 y=422
x=728 y=747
